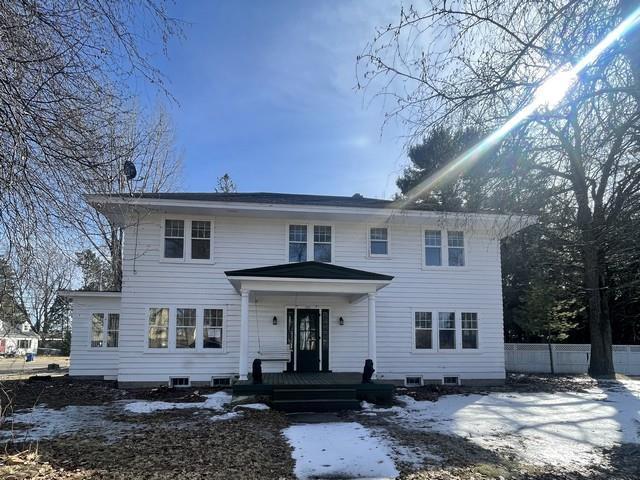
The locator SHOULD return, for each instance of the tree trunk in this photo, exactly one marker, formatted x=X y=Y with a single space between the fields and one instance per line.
x=601 y=360
x=116 y=258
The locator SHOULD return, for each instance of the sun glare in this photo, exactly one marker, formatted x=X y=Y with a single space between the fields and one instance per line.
x=554 y=89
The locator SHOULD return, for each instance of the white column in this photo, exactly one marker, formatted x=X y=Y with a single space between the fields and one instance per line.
x=372 y=330
x=244 y=333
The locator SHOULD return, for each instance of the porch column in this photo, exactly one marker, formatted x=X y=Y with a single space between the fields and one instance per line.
x=244 y=333
x=372 y=329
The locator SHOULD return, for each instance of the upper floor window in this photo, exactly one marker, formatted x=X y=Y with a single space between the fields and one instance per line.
x=322 y=243
x=101 y=336
x=455 y=241
x=200 y=240
x=310 y=242
x=297 y=243
x=433 y=248
x=378 y=241
x=187 y=239
x=174 y=239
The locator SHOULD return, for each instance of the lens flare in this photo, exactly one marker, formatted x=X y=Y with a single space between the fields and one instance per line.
x=548 y=95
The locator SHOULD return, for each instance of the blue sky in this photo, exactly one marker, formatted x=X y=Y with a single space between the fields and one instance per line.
x=266 y=92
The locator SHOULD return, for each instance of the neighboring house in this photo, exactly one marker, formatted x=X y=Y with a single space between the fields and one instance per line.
x=307 y=283
x=17 y=340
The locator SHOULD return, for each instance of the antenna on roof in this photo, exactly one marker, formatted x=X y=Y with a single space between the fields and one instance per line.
x=129 y=170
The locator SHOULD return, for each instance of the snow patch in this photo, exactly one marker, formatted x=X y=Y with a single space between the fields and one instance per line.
x=214 y=401
x=564 y=428
x=225 y=416
x=254 y=406
x=339 y=450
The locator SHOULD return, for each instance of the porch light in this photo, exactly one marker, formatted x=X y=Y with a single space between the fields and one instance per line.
x=341 y=321
x=275 y=320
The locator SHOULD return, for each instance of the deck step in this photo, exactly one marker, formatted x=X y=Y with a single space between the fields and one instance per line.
x=316 y=405
x=314 y=393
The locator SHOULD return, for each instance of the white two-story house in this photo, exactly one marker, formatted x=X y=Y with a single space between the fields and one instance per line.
x=306 y=283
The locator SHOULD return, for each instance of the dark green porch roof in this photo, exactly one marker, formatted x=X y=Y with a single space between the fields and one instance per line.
x=325 y=271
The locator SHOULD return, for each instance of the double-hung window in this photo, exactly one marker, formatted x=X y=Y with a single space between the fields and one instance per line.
x=113 y=330
x=26 y=344
x=447 y=330
x=200 y=240
x=433 y=248
x=455 y=240
x=158 y=335
x=186 y=328
x=297 y=243
x=378 y=241
x=174 y=239
x=212 y=324
x=469 y=330
x=423 y=330
x=322 y=243
x=97 y=330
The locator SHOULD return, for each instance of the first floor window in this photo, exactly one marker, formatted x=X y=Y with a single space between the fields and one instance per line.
x=447 y=330
x=455 y=241
x=97 y=330
x=424 y=330
x=322 y=243
x=469 y=330
x=186 y=328
x=174 y=239
x=212 y=323
x=113 y=328
x=200 y=240
x=297 y=243
x=26 y=344
x=378 y=241
x=432 y=248
x=158 y=328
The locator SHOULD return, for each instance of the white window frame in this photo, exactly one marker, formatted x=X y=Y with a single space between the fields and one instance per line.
x=105 y=329
x=414 y=329
x=147 y=327
x=456 y=340
x=310 y=240
x=199 y=349
x=186 y=253
x=444 y=250
x=443 y=239
x=379 y=255
x=194 y=328
x=477 y=330
x=28 y=347
x=288 y=241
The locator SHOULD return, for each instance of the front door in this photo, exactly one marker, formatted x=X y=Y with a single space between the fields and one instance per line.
x=308 y=341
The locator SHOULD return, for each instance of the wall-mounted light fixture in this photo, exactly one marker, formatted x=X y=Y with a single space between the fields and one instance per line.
x=341 y=321
x=275 y=320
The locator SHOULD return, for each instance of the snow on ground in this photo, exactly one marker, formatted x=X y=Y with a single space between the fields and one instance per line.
x=339 y=450
x=254 y=406
x=564 y=429
x=214 y=401
x=225 y=416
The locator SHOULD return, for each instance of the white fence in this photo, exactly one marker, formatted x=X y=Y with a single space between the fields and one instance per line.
x=574 y=358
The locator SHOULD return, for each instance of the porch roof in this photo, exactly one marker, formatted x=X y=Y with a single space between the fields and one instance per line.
x=308 y=277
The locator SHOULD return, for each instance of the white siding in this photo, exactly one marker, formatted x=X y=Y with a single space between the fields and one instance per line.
x=84 y=360
x=241 y=242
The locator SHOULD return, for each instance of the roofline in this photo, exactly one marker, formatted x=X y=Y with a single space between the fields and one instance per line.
x=83 y=293
x=308 y=279
x=97 y=200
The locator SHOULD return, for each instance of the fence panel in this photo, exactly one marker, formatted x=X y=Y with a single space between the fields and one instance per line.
x=566 y=358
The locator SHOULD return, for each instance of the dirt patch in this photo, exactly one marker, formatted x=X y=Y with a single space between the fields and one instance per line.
x=519 y=383
x=185 y=447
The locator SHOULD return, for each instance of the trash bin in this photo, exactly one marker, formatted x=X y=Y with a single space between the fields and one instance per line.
x=30 y=357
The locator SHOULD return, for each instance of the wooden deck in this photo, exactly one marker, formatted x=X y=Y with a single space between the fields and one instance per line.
x=320 y=378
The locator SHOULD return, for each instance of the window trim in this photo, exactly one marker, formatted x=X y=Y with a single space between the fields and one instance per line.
x=435 y=335
x=310 y=240
x=29 y=344
x=477 y=330
x=456 y=329
x=379 y=255
x=444 y=250
x=414 y=329
x=199 y=349
x=186 y=254
x=105 y=330
x=463 y=248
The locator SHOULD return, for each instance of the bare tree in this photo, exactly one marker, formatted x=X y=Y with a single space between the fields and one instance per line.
x=226 y=184
x=479 y=62
x=65 y=80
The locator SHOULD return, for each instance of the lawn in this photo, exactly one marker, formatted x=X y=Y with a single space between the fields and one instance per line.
x=533 y=427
